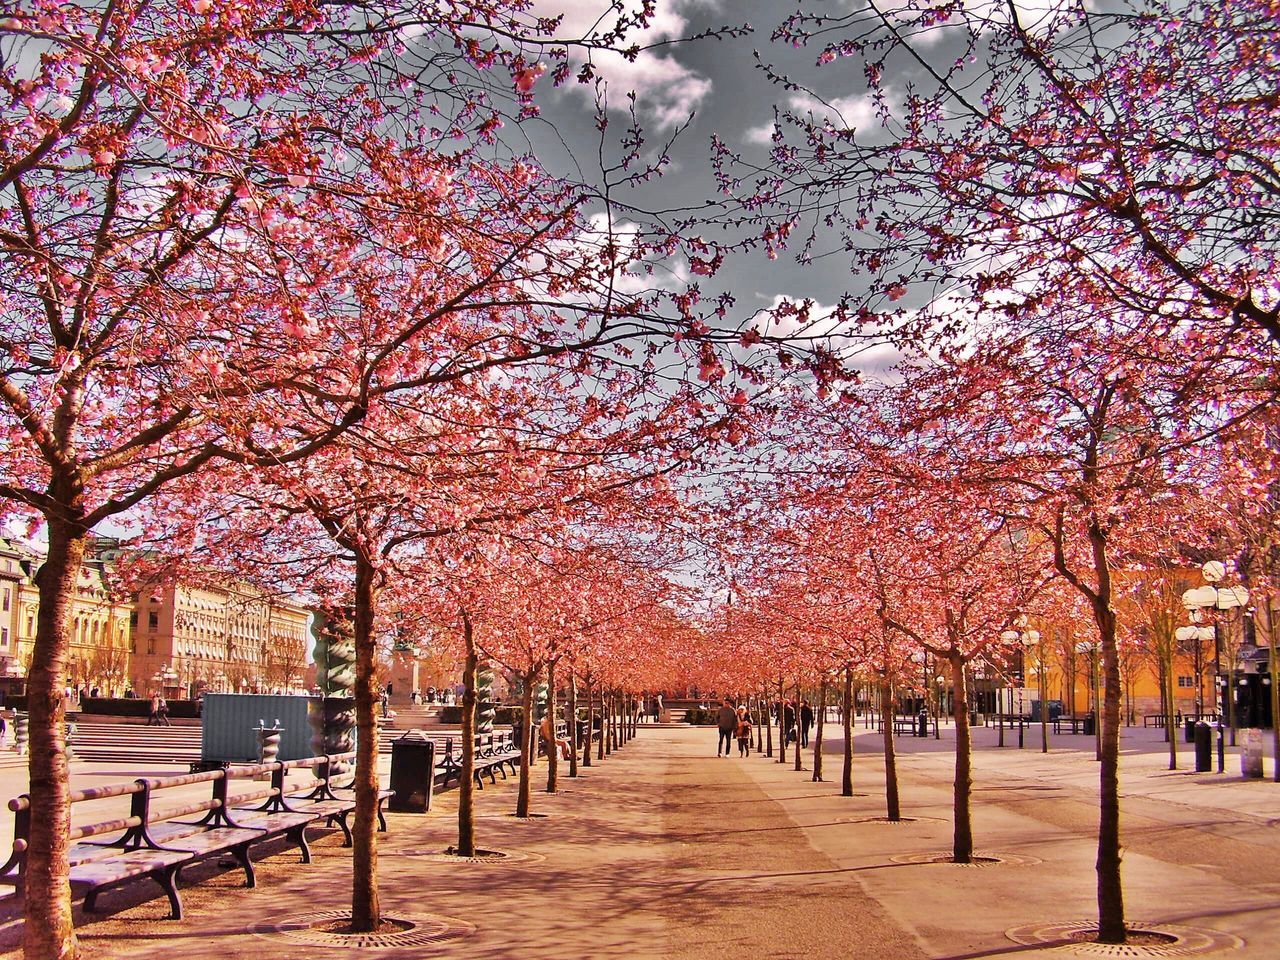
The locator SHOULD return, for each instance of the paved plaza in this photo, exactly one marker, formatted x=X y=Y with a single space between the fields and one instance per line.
x=665 y=850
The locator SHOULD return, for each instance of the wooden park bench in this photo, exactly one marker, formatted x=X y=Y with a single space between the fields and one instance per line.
x=493 y=754
x=158 y=844
x=1075 y=723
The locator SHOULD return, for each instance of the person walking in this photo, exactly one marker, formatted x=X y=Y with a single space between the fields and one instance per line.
x=657 y=709
x=806 y=722
x=744 y=731
x=727 y=720
x=788 y=722
x=153 y=712
x=162 y=712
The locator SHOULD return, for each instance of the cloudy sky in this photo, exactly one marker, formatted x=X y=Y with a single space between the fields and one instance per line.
x=720 y=83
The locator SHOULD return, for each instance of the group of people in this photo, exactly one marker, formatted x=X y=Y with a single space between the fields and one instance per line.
x=791 y=711
x=734 y=722
x=158 y=715
x=445 y=695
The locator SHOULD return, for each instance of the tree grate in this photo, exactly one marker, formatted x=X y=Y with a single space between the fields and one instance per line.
x=492 y=857
x=419 y=930
x=1071 y=937
x=979 y=859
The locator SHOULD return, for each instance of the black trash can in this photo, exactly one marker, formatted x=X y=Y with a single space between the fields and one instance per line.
x=413 y=770
x=1089 y=724
x=1190 y=729
x=922 y=724
x=1204 y=747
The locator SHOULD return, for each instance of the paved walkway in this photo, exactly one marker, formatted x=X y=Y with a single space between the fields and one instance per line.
x=667 y=851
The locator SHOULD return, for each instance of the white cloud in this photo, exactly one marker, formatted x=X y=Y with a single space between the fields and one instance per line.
x=807 y=319
x=845 y=113
x=666 y=90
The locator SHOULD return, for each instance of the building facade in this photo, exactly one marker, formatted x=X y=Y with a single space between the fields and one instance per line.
x=189 y=638
x=98 y=622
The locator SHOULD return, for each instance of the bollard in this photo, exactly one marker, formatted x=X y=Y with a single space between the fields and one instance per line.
x=1022 y=730
x=1222 y=749
x=1251 y=753
x=269 y=742
x=21 y=732
x=1204 y=748
x=922 y=724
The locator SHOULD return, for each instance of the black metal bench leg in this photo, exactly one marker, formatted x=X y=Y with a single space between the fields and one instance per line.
x=382 y=820
x=91 y=901
x=241 y=853
x=299 y=836
x=168 y=880
x=347 y=840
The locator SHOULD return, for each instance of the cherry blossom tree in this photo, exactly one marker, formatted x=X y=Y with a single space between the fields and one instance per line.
x=221 y=214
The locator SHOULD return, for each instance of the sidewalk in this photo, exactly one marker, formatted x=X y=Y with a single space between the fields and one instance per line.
x=665 y=850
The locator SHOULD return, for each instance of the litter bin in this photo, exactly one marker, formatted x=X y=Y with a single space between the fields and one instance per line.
x=1190 y=729
x=413 y=770
x=922 y=724
x=1089 y=724
x=1204 y=747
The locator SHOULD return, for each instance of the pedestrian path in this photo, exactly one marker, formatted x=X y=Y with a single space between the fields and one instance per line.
x=666 y=851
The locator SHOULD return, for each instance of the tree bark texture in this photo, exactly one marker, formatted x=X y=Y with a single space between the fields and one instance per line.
x=527 y=740
x=553 y=751
x=602 y=746
x=1111 y=925
x=782 y=723
x=799 y=755
x=821 y=710
x=962 y=838
x=48 y=932
x=466 y=782
x=846 y=773
x=571 y=708
x=591 y=726
x=893 y=808
x=366 y=911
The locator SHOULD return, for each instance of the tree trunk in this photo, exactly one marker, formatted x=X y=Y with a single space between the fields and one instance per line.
x=1169 y=713
x=962 y=840
x=782 y=723
x=466 y=782
x=894 y=810
x=591 y=726
x=553 y=749
x=48 y=932
x=604 y=724
x=846 y=773
x=821 y=710
x=366 y=911
x=799 y=754
x=1111 y=928
x=606 y=721
x=572 y=708
x=1275 y=701
x=766 y=725
x=527 y=741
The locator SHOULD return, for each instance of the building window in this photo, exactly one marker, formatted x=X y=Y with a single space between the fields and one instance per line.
x=1186 y=682
x=153 y=620
x=4 y=637
x=5 y=603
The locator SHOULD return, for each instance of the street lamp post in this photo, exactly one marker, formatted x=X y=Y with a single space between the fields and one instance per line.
x=1091 y=649
x=1216 y=601
x=1021 y=634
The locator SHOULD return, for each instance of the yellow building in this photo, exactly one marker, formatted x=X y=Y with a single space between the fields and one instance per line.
x=189 y=638
x=98 y=622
